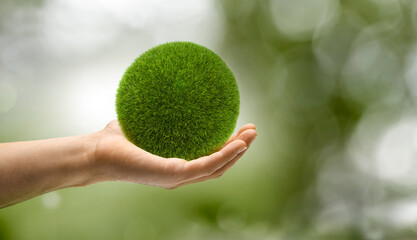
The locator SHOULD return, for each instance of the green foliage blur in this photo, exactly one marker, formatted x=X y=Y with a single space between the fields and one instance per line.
x=331 y=86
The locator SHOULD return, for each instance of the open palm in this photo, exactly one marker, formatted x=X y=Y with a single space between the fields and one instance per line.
x=119 y=159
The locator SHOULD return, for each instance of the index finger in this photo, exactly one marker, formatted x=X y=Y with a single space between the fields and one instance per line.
x=241 y=130
x=207 y=165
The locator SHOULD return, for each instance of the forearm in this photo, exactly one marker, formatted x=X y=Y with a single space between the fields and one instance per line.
x=29 y=169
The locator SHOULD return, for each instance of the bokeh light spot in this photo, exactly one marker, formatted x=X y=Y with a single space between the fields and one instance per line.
x=231 y=218
x=396 y=152
x=51 y=200
x=301 y=19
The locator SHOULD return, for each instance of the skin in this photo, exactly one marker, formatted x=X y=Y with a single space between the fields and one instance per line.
x=30 y=169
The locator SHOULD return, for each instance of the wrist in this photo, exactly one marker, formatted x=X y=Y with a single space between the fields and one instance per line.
x=80 y=170
x=95 y=165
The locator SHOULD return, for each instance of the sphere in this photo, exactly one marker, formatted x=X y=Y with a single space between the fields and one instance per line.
x=178 y=100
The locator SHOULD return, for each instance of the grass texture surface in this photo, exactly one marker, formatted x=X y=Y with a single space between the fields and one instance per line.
x=178 y=99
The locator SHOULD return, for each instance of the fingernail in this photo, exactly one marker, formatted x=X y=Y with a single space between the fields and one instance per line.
x=242 y=149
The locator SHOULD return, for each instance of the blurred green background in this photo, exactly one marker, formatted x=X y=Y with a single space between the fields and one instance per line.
x=331 y=86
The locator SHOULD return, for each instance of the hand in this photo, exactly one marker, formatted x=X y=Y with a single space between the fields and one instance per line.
x=29 y=169
x=120 y=160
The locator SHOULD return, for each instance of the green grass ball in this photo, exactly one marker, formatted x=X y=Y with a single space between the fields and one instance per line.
x=178 y=99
